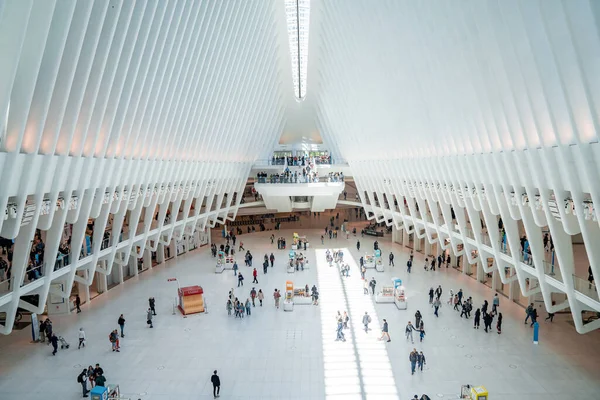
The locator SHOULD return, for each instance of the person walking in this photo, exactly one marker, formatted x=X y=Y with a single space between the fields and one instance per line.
x=431 y=292
x=495 y=303
x=81 y=338
x=235 y=268
x=216 y=382
x=484 y=307
x=476 y=319
x=438 y=291
x=366 y=320
x=487 y=322
x=82 y=379
x=418 y=317
x=439 y=260
x=276 y=296
x=253 y=296
x=152 y=304
x=358 y=245
x=255 y=276
x=409 y=331
x=345 y=320
x=385 y=332
x=114 y=341
x=241 y=248
x=391 y=259
x=228 y=307
x=413 y=357
x=240 y=280
x=528 y=312
x=408 y=265
x=340 y=331
x=373 y=283
x=54 y=342
x=421 y=361
x=272 y=259
x=499 y=324
x=78 y=304
x=260 y=296
x=436 y=306
x=121 y=323
x=534 y=316
x=366 y=286
x=149 y=318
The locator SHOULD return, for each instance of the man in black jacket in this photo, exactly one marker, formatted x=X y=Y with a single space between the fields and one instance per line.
x=216 y=382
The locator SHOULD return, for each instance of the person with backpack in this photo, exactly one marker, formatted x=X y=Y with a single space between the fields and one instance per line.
x=276 y=296
x=528 y=312
x=240 y=280
x=366 y=320
x=214 y=379
x=121 y=323
x=82 y=380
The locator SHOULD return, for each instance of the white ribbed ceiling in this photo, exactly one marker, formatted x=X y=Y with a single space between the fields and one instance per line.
x=156 y=80
x=430 y=78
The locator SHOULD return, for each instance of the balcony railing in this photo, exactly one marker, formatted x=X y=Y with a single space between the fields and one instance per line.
x=299 y=179
x=585 y=287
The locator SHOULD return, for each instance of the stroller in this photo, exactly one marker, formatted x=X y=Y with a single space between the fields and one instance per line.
x=63 y=343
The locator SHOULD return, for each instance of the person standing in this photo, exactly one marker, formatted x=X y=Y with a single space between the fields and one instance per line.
x=255 y=275
x=235 y=268
x=413 y=358
x=248 y=310
x=152 y=304
x=408 y=265
x=272 y=259
x=253 y=296
x=276 y=296
x=214 y=379
x=54 y=342
x=495 y=303
x=499 y=323
x=121 y=323
x=476 y=319
x=409 y=331
x=358 y=245
x=385 y=331
x=366 y=286
x=436 y=306
x=78 y=304
x=391 y=259
x=439 y=260
x=487 y=322
x=373 y=283
x=149 y=318
x=240 y=280
x=260 y=296
x=228 y=307
x=340 y=330
x=82 y=379
x=431 y=292
x=345 y=320
x=81 y=338
x=366 y=320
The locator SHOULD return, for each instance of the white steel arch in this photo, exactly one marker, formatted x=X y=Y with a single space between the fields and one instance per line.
x=483 y=107
x=117 y=108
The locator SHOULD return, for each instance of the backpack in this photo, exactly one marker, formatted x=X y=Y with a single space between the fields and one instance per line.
x=79 y=378
x=369 y=319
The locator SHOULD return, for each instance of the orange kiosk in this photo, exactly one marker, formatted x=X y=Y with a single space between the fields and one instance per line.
x=191 y=300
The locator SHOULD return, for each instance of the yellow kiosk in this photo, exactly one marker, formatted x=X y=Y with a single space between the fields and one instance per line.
x=474 y=392
x=479 y=393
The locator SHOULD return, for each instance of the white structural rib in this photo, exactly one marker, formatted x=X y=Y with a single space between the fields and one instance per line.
x=110 y=109
x=489 y=108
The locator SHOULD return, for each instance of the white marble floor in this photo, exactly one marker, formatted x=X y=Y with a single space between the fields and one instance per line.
x=273 y=354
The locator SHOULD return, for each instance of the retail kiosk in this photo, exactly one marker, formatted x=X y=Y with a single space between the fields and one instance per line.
x=473 y=392
x=288 y=302
x=378 y=261
x=399 y=295
x=369 y=261
x=191 y=300
x=386 y=295
x=105 y=393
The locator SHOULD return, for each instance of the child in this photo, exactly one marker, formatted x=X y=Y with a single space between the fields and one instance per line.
x=422 y=334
